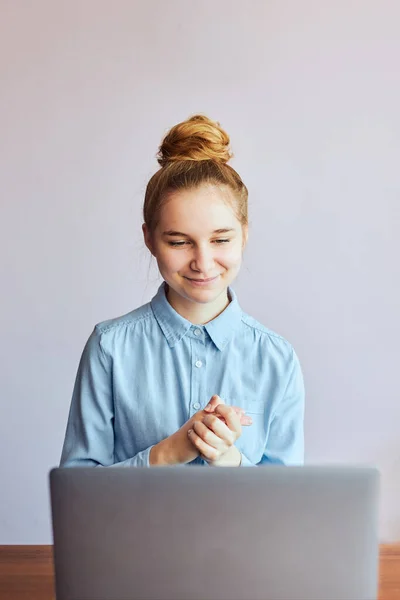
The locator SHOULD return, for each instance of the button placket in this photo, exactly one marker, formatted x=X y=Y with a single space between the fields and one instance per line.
x=198 y=371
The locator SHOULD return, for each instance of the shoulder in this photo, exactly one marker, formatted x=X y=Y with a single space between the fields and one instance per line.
x=265 y=334
x=128 y=320
x=255 y=325
x=112 y=333
x=271 y=344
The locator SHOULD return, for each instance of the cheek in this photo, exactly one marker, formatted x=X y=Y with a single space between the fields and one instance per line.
x=172 y=261
x=231 y=258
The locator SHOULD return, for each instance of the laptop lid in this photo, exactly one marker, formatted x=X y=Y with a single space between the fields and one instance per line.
x=192 y=533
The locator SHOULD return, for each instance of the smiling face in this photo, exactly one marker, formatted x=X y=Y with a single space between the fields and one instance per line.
x=198 y=244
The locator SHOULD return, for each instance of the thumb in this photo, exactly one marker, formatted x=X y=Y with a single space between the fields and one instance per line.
x=214 y=402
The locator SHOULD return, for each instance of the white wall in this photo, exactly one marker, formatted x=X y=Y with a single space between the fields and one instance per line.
x=310 y=92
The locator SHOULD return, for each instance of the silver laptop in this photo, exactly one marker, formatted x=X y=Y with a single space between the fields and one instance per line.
x=193 y=533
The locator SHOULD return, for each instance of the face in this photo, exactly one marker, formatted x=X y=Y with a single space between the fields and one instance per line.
x=198 y=244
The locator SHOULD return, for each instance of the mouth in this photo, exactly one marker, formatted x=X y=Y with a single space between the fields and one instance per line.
x=202 y=281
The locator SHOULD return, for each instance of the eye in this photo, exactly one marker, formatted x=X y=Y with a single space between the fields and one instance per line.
x=183 y=243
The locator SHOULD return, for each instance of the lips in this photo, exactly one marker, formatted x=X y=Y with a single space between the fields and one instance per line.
x=202 y=280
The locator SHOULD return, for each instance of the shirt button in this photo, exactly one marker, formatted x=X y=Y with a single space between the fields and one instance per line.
x=196 y=406
x=198 y=364
x=197 y=332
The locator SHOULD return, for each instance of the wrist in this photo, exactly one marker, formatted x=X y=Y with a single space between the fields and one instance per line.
x=162 y=454
x=236 y=456
x=231 y=458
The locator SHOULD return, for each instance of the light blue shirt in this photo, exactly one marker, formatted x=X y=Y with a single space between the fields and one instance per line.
x=143 y=375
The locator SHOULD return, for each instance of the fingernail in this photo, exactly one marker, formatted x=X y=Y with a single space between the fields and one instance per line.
x=208 y=407
x=190 y=431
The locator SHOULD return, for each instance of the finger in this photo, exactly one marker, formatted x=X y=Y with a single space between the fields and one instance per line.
x=244 y=419
x=210 y=437
x=207 y=452
x=214 y=402
x=219 y=429
x=231 y=418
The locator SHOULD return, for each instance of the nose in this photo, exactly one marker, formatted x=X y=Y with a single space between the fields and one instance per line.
x=203 y=261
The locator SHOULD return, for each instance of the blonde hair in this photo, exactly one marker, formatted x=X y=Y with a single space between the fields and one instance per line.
x=193 y=153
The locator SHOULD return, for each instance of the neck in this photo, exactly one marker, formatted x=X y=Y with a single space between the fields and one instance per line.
x=196 y=313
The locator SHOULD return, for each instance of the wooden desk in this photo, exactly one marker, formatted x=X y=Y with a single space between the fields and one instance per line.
x=26 y=572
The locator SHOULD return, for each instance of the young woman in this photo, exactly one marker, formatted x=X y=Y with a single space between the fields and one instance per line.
x=189 y=377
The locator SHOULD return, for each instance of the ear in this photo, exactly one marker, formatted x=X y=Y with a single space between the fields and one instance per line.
x=245 y=233
x=147 y=238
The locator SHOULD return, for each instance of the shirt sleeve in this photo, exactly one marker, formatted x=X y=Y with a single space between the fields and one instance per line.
x=89 y=438
x=285 y=443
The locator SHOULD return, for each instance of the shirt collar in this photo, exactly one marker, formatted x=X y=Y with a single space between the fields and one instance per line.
x=175 y=327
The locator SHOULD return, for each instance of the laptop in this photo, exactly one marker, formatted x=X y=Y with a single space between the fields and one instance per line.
x=204 y=533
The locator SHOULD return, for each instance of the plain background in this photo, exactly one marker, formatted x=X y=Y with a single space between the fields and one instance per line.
x=309 y=91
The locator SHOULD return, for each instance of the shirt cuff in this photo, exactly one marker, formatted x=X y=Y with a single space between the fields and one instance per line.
x=142 y=459
x=246 y=462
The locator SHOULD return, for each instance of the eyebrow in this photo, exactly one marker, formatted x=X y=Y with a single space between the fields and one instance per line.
x=180 y=234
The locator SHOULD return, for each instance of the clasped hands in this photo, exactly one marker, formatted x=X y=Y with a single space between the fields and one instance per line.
x=210 y=433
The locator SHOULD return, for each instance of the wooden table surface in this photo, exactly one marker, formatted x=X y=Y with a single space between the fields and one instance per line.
x=26 y=573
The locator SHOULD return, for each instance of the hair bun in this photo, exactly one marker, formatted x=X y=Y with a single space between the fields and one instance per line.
x=197 y=138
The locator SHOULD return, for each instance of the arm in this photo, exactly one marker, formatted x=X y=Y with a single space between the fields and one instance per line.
x=285 y=444
x=89 y=438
